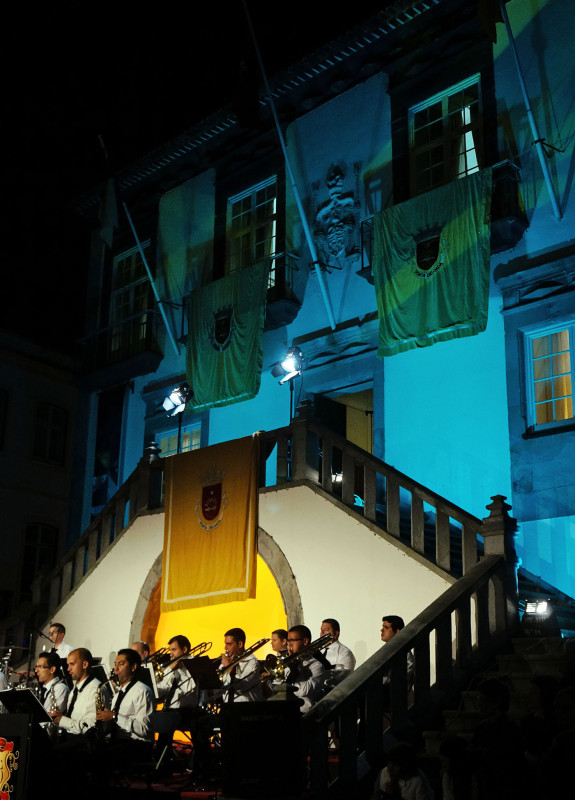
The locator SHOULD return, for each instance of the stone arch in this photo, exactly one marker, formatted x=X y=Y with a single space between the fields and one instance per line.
x=147 y=615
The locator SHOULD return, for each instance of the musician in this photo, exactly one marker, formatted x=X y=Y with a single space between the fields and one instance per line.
x=131 y=710
x=56 y=635
x=143 y=649
x=391 y=625
x=52 y=689
x=177 y=688
x=339 y=656
x=80 y=713
x=279 y=642
x=305 y=674
x=243 y=681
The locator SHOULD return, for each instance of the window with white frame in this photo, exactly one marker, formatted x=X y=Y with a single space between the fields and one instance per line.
x=130 y=315
x=252 y=227
x=549 y=357
x=168 y=440
x=445 y=136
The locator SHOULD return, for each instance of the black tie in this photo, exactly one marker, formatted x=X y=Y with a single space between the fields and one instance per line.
x=42 y=694
x=72 y=702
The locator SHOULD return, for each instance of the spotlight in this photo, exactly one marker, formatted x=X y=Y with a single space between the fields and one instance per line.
x=539 y=619
x=292 y=364
x=176 y=401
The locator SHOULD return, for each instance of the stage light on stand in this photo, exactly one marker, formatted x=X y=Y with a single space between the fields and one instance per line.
x=176 y=401
x=292 y=364
x=175 y=404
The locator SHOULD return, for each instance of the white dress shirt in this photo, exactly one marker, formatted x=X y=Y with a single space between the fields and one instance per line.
x=60 y=695
x=63 y=650
x=340 y=656
x=308 y=681
x=245 y=684
x=178 y=689
x=83 y=716
x=133 y=718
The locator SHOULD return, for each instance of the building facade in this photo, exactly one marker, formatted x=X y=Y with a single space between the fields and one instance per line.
x=412 y=125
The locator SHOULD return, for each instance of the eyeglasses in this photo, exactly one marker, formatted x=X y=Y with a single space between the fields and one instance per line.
x=42 y=666
x=295 y=640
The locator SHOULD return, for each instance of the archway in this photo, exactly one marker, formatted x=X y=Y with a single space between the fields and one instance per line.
x=277 y=604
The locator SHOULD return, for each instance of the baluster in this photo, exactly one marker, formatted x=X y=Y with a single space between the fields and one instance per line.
x=369 y=490
x=417 y=523
x=348 y=488
x=392 y=490
x=442 y=543
x=443 y=652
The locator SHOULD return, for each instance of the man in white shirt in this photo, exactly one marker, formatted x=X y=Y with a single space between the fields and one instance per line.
x=339 y=656
x=242 y=682
x=305 y=673
x=80 y=714
x=56 y=635
x=132 y=704
x=177 y=688
x=53 y=691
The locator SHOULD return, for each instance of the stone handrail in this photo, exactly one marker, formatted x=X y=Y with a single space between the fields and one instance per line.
x=376 y=490
x=463 y=626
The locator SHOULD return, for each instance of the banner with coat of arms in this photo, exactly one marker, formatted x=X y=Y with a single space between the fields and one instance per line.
x=224 y=357
x=431 y=265
x=210 y=527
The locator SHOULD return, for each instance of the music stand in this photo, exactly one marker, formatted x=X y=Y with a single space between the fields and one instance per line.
x=24 y=701
x=201 y=669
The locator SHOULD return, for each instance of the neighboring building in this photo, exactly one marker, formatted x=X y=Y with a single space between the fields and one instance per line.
x=402 y=110
x=38 y=410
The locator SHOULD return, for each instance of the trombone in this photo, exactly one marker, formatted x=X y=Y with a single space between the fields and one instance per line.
x=161 y=659
x=235 y=661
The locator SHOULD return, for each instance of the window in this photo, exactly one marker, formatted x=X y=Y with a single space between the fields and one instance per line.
x=168 y=442
x=40 y=547
x=252 y=227
x=549 y=358
x=131 y=317
x=50 y=434
x=445 y=136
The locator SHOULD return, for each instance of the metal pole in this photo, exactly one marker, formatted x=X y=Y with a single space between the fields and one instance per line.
x=155 y=291
x=537 y=141
x=304 y=222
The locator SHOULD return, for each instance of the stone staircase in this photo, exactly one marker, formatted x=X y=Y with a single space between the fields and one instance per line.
x=529 y=657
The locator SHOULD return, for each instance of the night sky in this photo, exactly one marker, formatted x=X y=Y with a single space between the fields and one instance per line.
x=136 y=76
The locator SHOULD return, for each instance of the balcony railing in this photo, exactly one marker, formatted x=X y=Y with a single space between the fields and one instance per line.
x=508 y=218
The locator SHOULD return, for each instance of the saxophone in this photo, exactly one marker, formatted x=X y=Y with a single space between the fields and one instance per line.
x=101 y=728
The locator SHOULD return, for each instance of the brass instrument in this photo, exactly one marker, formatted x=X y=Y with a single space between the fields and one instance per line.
x=276 y=665
x=101 y=728
x=238 y=659
x=161 y=660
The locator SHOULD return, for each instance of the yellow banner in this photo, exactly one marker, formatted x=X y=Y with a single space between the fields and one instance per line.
x=210 y=525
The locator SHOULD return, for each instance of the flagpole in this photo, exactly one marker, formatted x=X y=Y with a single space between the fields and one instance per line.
x=307 y=232
x=537 y=141
x=151 y=279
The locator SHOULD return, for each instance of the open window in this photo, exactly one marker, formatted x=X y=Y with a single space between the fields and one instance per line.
x=445 y=136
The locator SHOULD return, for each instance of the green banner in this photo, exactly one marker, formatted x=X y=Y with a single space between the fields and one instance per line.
x=431 y=265
x=224 y=358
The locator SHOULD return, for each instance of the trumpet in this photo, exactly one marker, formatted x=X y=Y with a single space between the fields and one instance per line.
x=235 y=661
x=277 y=665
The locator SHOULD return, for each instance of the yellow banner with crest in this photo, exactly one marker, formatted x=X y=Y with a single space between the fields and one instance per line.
x=210 y=544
